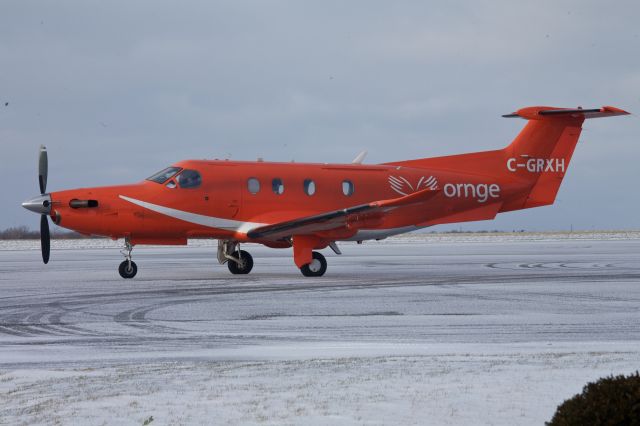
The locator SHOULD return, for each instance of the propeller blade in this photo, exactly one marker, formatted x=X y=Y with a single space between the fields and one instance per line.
x=45 y=239
x=43 y=169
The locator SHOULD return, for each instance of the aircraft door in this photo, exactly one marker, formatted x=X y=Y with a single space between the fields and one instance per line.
x=224 y=197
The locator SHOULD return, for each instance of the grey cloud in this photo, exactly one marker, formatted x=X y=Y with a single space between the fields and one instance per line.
x=119 y=89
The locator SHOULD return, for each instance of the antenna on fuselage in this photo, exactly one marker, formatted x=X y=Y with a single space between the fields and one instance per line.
x=360 y=158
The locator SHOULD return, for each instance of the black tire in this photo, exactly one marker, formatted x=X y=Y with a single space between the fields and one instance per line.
x=245 y=267
x=126 y=271
x=317 y=267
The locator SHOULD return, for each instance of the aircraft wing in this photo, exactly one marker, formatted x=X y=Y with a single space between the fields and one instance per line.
x=336 y=218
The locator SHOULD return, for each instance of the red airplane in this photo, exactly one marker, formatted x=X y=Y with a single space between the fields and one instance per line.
x=311 y=206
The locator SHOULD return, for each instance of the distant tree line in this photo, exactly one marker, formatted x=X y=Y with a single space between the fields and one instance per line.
x=24 y=233
x=482 y=231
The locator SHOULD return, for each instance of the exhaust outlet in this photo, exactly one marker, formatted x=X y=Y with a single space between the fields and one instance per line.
x=83 y=204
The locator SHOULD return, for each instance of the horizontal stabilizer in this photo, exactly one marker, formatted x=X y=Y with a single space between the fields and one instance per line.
x=541 y=112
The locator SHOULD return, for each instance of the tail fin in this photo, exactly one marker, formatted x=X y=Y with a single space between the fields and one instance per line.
x=543 y=149
x=537 y=158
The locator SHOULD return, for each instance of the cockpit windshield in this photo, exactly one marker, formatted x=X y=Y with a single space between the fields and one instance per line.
x=164 y=175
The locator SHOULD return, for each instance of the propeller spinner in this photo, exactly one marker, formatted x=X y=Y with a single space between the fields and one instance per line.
x=42 y=204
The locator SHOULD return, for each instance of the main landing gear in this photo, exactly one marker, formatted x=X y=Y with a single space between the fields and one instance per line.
x=317 y=267
x=311 y=263
x=128 y=268
x=238 y=261
x=241 y=265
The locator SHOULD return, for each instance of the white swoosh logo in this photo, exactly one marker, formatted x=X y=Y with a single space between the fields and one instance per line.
x=403 y=187
x=198 y=219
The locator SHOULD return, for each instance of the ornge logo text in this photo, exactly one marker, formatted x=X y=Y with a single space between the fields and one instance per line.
x=403 y=187
x=481 y=192
x=536 y=165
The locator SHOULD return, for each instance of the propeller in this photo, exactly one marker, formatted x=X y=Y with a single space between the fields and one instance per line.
x=42 y=204
x=43 y=172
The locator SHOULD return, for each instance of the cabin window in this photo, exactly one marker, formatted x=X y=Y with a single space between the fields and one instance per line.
x=164 y=175
x=253 y=185
x=277 y=186
x=189 y=179
x=309 y=187
x=347 y=188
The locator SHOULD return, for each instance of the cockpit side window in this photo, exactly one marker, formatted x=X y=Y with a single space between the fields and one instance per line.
x=164 y=175
x=189 y=179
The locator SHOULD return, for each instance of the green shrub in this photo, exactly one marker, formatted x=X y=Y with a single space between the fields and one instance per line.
x=609 y=401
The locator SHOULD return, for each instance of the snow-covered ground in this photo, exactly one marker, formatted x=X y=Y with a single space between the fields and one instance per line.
x=424 y=329
x=422 y=237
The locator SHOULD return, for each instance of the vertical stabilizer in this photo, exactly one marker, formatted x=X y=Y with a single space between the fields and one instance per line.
x=542 y=151
x=537 y=159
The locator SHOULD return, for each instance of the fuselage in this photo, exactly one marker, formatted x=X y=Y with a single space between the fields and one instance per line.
x=234 y=197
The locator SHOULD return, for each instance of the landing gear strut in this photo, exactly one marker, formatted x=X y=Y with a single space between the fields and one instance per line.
x=317 y=267
x=238 y=261
x=128 y=268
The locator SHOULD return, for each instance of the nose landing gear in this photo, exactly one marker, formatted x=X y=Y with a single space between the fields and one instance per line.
x=128 y=268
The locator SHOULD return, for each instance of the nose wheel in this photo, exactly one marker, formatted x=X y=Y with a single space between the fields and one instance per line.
x=317 y=267
x=128 y=268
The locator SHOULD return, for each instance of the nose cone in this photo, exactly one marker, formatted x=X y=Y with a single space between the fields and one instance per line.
x=40 y=204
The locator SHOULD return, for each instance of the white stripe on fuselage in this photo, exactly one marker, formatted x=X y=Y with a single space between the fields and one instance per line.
x=244 y=227
x=198 y=219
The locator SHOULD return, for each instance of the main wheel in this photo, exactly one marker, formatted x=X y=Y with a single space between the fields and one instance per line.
x=127 y=271
x=317 y=267
x=245 y=265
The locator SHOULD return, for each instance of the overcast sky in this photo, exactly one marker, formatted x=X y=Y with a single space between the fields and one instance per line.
x=119 y=90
